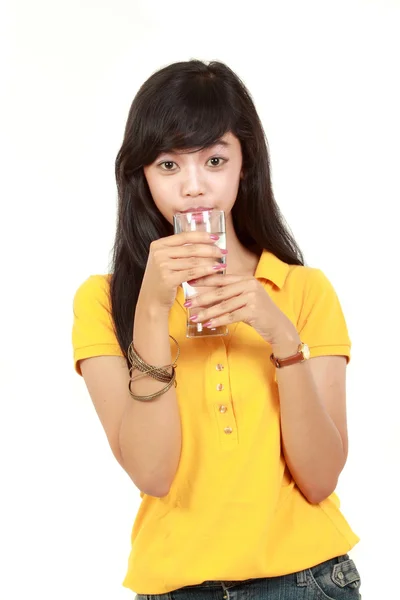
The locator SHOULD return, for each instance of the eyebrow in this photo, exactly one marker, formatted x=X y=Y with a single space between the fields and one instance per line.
x=220 y=142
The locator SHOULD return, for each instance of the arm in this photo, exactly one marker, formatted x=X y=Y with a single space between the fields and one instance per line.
x=144 y=436
x=150 y=432
x=313 y=420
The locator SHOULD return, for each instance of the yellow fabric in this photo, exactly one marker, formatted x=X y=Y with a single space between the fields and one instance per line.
x=233 y=511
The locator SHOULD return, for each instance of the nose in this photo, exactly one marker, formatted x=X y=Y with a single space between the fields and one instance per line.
x=193 y=185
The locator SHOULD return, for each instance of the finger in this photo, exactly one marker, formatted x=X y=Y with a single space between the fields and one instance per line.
x=184 y=264
x=224 y=310
x=217 y=295
x=195 y=250
x=189 y=237
x=236 y=316
x=217 y=280
x=196 y=272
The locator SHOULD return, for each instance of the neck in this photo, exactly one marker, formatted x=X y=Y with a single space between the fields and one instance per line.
x=239 y=260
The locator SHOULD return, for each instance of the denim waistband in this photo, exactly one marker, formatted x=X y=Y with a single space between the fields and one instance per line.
x=225 y=584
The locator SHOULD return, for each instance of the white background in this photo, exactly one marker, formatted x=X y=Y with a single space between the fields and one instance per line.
x=324 y=77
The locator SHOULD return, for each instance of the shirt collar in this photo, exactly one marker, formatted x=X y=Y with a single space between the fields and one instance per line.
x=271 y=268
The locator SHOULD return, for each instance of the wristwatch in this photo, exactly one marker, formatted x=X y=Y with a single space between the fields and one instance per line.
x=302 y=354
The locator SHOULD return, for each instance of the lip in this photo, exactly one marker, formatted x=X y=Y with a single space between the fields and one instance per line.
x=196 y=209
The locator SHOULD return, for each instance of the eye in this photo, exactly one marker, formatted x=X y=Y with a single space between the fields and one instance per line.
x=216 y=161
x=167 y=165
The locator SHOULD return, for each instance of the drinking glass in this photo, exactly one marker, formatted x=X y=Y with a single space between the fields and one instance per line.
x=211 y=221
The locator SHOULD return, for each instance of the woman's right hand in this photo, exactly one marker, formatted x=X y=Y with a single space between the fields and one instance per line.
x=175 y=259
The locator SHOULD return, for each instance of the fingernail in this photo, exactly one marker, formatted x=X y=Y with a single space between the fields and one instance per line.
x=224 y=251
x=218 y=267
x=208 y=324
x=188 y=304
x=214 y=237
x=194 y=318
x=192 y=282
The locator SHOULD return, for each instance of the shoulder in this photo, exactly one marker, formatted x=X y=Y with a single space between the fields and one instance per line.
x=315 y=299
x=93 y=332
x=309 y=286
x=93 y=290
x=301 y=288
x=305 y=278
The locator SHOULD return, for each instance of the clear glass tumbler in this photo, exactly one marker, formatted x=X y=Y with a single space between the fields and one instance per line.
x=211 y=221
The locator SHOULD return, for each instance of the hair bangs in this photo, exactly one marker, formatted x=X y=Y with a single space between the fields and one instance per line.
x=197 y=118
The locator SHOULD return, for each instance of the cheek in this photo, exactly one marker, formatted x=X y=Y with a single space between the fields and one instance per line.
x=228 y=191
x=161 y=192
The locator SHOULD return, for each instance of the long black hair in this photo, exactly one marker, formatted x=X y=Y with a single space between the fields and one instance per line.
x=188 y=105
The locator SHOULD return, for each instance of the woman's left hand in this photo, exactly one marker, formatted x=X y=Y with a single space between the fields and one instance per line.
x=236 y=298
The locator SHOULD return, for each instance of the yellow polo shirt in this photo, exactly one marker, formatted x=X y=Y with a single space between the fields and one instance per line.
x=233 y=511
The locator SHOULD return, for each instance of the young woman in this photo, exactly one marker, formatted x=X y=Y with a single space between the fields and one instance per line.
x=236 y=446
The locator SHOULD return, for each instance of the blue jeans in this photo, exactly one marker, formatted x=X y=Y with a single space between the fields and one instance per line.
x=335 y=579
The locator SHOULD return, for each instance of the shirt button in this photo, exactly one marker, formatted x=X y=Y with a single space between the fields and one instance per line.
x=340 y=575
x=222 y=409
x=228 y=429
x=220 y=387
x=219 y=367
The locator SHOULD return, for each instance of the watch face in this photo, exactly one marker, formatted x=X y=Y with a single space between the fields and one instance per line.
x=306 y=352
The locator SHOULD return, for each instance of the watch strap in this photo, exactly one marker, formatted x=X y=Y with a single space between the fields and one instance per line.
x=301 y=355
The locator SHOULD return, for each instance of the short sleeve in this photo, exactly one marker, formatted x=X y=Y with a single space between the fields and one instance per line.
x=321 y=322
x=92 y=330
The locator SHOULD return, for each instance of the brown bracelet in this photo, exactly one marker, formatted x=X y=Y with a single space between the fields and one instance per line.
x=158 y=373
x=156 y=394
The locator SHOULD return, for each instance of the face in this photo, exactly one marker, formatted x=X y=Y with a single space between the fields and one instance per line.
x=180 y=181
